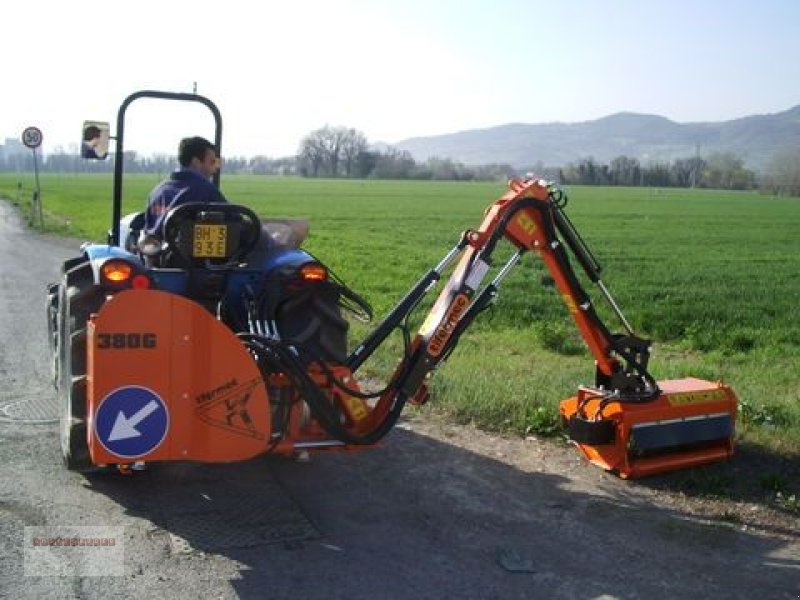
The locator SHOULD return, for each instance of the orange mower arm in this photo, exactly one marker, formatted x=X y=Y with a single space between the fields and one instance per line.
x=530 y=217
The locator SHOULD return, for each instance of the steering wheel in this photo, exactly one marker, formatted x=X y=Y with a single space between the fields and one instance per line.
x=232 y=213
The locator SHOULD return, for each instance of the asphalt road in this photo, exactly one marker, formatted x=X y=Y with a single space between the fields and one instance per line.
x=436 y=511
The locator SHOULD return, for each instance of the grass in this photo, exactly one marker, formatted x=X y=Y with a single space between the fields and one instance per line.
x=710 y=276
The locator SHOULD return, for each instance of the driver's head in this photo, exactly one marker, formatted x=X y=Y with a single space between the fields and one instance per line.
x=199 y=154
x=90 y=133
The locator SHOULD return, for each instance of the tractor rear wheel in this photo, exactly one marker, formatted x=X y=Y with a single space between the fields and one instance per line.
x=78 y=298
x=312 y=319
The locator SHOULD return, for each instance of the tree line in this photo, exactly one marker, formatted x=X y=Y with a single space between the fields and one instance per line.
x=721 y=170
x=61 y=161
x=345 y=152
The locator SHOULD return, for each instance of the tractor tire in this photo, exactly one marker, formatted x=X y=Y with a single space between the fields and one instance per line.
x=51 y=309
x=79 y=297
x=314 y=321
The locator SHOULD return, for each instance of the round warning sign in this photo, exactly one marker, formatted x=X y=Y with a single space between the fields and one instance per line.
x=131 y=421
x=32 y=137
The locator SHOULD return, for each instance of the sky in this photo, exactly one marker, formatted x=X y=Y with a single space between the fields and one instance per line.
x=391 y=69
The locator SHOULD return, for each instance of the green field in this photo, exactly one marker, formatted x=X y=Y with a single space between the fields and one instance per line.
x=711 y=276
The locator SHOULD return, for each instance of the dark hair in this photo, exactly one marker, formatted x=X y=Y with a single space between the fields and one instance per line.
x=90 y=133
x=193 y=147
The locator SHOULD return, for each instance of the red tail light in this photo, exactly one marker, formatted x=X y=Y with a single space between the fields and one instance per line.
x=120 y=274
x=313 y=272
x=140 y=282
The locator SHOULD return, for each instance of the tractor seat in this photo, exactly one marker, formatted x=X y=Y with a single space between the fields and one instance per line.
x=130 y=227
x=278 y=234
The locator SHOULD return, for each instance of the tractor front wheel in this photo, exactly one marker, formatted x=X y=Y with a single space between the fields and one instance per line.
x=51 y=308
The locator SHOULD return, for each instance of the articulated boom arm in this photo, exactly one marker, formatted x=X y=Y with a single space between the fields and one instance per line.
x=528 y=216
x=524 y=216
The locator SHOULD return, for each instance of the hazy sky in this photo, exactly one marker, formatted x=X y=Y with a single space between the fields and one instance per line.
x=392 y=69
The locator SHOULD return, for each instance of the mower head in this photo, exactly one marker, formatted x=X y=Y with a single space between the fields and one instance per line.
x=691 y=423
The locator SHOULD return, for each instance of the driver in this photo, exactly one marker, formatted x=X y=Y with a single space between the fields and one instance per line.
x=191 y=182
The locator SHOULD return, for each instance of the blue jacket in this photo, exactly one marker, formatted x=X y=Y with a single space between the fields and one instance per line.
x=183 y=186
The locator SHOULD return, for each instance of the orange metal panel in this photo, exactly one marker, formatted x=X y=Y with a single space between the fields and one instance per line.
x=164 y=362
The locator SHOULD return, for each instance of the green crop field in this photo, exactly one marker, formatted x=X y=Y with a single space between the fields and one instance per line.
x=711 y=277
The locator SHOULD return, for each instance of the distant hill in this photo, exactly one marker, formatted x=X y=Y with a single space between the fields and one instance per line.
x=647 y=137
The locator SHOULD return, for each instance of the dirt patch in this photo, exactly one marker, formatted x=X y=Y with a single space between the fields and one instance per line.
x=733 y=494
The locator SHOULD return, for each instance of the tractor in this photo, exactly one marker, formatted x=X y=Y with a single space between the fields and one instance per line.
x=221 y=339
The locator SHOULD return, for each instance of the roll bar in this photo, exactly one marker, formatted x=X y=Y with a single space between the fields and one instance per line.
x=120 y=153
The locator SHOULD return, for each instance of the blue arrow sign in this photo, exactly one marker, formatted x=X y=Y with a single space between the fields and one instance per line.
x=131 y=421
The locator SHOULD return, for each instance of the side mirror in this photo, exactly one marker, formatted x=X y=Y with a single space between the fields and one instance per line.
x=94 y=143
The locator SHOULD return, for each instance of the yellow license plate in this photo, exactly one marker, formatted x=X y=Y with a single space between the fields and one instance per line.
x=210 y=241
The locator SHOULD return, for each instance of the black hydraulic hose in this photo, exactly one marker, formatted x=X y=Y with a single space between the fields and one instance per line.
x=401 y=310
x=392 y=320
x=338 y=382
x=354 y=302
x=321 y=408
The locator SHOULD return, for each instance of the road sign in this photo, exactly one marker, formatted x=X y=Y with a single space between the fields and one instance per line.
x=32 y=137
x=131 y=421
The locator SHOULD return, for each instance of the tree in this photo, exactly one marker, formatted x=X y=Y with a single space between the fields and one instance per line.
x=685 y=172
x=364 y=163
x=625 y=170
x=587 y=172
x=782 y=176
x=332 y=141
x=312 y=153
x=726 y=171
x=394 y=164
x=442 y=168
x=326 y=150
x=587 y=169
x=354 y=143
x=657 y=174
